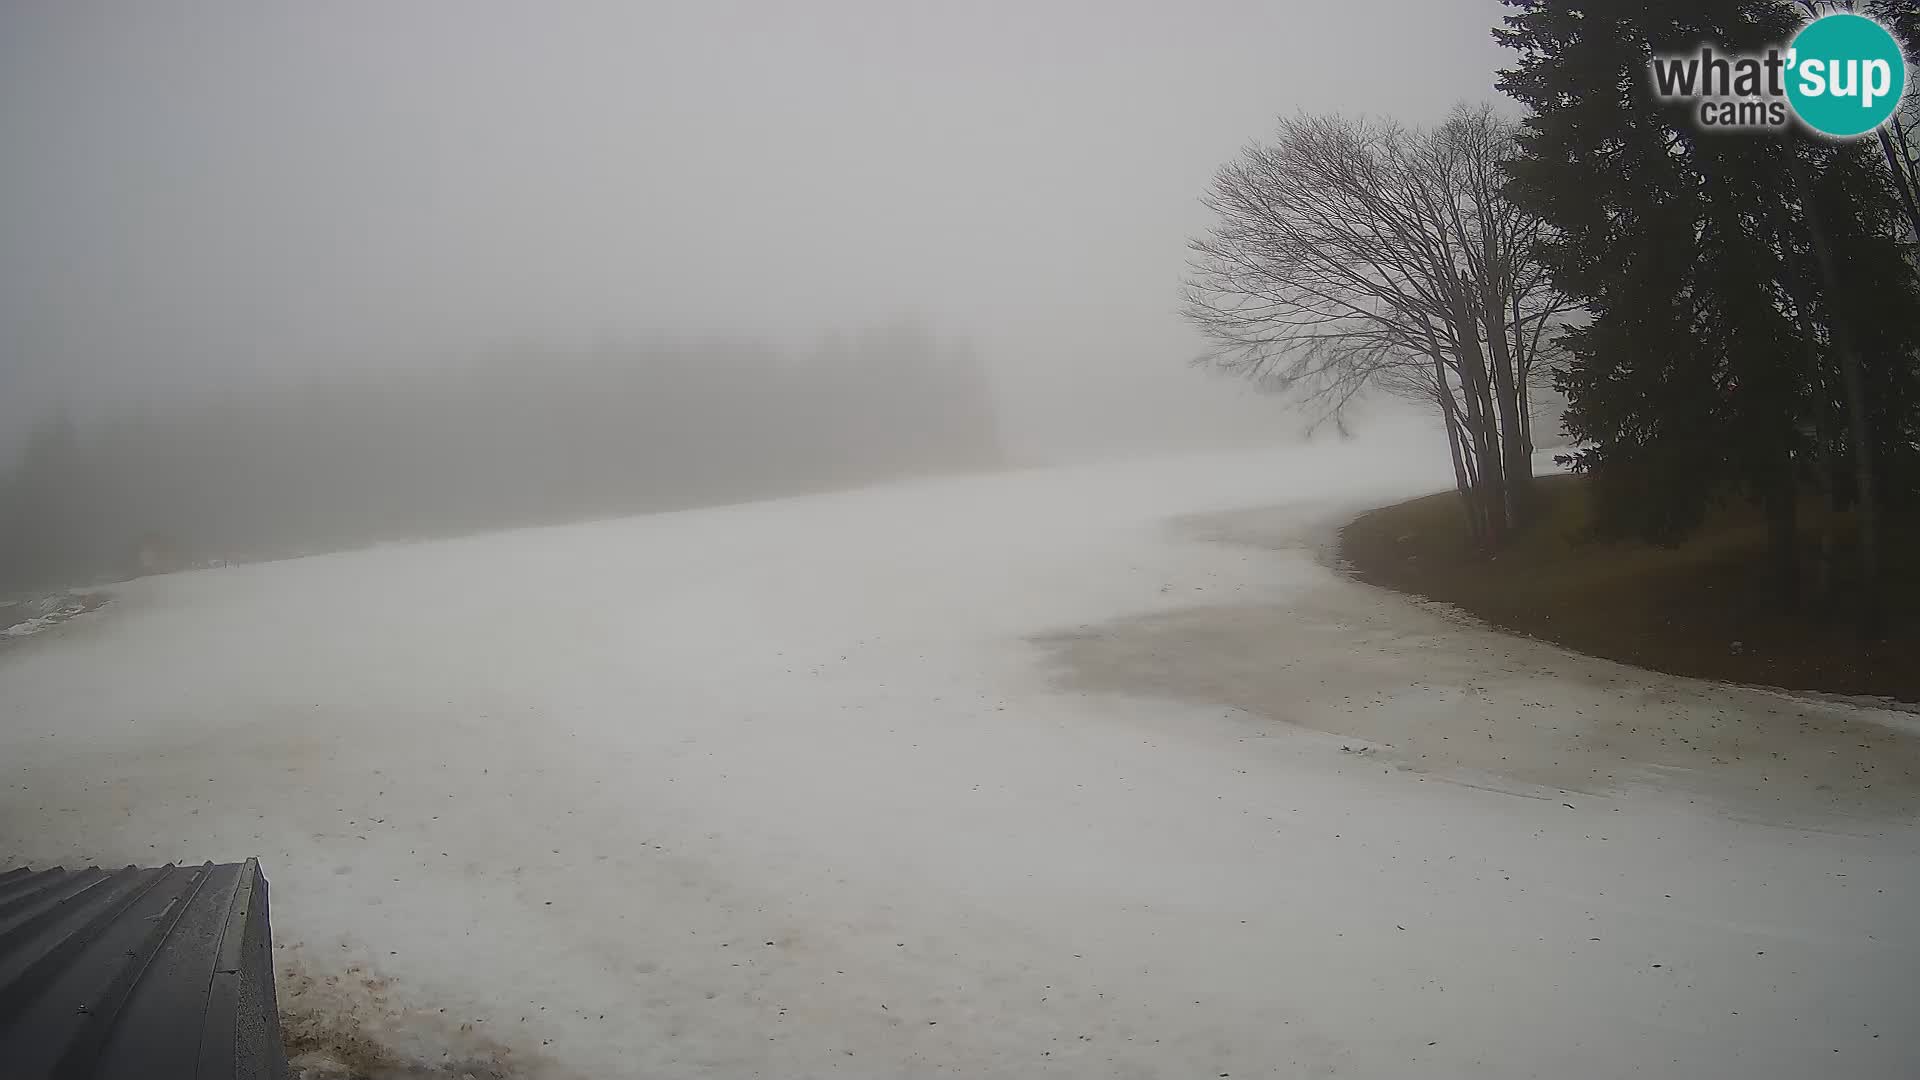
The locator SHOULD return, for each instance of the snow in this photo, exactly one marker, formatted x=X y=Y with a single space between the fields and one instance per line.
x=31 y=626
x=1093 y=771
x=25 y=618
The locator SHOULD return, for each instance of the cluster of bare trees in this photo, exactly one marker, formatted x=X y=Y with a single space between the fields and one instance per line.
x=1350 y=255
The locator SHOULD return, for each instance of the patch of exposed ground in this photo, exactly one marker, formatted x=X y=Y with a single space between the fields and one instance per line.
x=1416 y=684
x=348 y=1026
x=1709 y=608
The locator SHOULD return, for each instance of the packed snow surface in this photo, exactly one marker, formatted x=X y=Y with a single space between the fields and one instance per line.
x=1098 y=771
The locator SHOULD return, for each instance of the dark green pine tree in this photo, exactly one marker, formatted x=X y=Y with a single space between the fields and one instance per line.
x=1867 y=320
x=1709 y=367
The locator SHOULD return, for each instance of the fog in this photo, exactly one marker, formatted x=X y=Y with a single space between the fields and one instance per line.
x=245 y=225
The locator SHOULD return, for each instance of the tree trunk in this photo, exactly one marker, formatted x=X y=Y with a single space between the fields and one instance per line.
x=1870 y=614
x=1480 y=424
x=1524 y=356
x=1802 y=293
x=1783 y=539
x=1901 y=139
x=1515 y=460
x=1462 y=480
x=1823 y=561
x=1823 y=468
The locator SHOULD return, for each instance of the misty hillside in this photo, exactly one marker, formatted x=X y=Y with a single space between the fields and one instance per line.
x=519 y=436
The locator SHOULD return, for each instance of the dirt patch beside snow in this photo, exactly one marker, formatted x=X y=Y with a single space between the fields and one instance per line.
x=349 y=1027
x=1708 y=608
x=1435 y=692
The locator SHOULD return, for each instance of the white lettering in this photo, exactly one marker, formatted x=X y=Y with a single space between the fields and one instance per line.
x=1877 y=83
x=1843 y=78
x=1813 y=77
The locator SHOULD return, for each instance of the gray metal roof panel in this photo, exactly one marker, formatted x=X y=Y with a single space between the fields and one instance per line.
x=163 y=972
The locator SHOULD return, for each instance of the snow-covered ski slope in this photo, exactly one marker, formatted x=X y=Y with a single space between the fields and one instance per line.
x=1093 y=771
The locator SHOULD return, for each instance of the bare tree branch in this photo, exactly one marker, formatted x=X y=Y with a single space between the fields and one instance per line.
x=1350 y=256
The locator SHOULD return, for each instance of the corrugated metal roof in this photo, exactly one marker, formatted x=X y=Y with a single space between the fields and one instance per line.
x=160 y=972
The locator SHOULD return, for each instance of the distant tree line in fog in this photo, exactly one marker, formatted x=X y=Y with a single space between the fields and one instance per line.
x=519 y=437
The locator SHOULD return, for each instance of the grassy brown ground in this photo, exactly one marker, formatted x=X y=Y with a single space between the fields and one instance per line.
x=1704 y=609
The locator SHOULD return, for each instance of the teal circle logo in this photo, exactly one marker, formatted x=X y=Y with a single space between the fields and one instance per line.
x=1845 y=75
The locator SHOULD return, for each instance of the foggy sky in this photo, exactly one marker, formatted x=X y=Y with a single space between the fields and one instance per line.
x=194 y=195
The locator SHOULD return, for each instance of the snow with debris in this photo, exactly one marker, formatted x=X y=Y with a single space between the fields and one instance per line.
x=25 y=618
x=32 y=625
x=1092 y=772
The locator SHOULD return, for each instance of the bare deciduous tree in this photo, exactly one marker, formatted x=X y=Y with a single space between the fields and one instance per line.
x=1349 y=255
